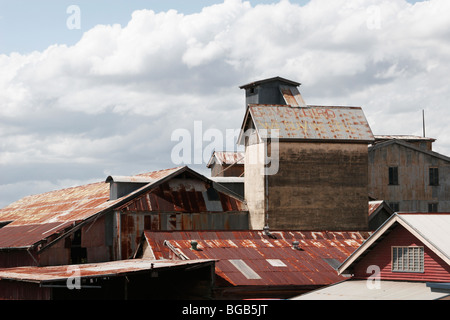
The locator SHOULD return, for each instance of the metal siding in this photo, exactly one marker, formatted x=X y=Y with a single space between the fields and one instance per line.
x=313 y=122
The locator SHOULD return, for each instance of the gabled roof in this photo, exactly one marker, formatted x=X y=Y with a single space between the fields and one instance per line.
x=256 y=83
x=410 y=146
x=315 y=123
x=226 y=157
x=254 y=258
x=376 y=206
x=51 y=216
x=430 y=228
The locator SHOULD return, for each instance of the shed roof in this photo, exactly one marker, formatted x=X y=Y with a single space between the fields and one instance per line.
x=308 y=123
x=253 y=258
x=359 y=290
x=93 y=270
x=430 y=228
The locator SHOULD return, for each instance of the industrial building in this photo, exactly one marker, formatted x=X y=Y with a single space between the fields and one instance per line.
x=406 y=173
x=319 y=176
x=274 y=221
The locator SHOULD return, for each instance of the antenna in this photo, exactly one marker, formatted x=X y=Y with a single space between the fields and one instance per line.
x=423 y=119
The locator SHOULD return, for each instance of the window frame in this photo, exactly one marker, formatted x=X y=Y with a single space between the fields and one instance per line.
x=433 y=176
x=416 y=253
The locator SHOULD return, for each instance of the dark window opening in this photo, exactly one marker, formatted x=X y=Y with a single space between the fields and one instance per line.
x=212 y=194
x=78 y=254
x=434 y=176
x=432 y=207
x=393 y=176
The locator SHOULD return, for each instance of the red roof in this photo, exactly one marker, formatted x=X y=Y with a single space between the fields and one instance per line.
x=36 y=218
x=252 y=258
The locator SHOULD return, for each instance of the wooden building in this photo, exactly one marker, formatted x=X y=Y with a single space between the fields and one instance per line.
x=104 y=221
x=305 y=166
x=408 y=175
x=403 y=260
x=226 y=164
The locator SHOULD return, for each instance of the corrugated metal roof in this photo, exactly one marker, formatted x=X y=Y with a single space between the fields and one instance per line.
x=311 y=123
x=106 y=269
x=303 y=267
x=35 y=218
x=66 y=205
x=360 y=290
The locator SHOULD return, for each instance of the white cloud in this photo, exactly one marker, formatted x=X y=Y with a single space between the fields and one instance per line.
x=111 y=101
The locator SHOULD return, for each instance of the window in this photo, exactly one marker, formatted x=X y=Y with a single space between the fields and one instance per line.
x=393 y=176
x=434 y=176
x=407 y=259
x=432 y=207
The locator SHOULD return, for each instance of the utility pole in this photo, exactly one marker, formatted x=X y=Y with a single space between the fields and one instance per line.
x=423 y=119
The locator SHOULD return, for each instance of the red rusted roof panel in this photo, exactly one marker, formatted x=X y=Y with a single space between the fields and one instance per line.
x=114 y=268
x=273 y=260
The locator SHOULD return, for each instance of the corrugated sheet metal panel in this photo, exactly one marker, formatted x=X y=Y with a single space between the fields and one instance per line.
x=72 y=204
x=183 y=196
x=27 y=235
x=37 y=217
x=305 y=267
x=114 y=268
x=313 y=122
x=359 y=290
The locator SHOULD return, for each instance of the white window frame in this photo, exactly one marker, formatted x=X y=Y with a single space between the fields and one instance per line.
x=408 y=259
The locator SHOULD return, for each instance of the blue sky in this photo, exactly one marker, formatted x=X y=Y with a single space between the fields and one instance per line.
x=27 y=25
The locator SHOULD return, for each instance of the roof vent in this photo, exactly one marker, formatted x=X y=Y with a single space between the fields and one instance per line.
x=267 y=232
x=296 y=246
x=194 y=245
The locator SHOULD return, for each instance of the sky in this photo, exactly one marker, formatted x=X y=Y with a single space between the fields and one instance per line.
x=90 y=89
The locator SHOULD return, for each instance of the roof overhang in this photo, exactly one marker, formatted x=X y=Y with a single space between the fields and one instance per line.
x=379 y=234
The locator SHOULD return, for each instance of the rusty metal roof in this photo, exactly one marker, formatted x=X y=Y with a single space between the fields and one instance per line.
x=38 y=217
x=310 y=123
x=252 y=258
x=226 y=157
x=93 y=270
x=65 y=205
